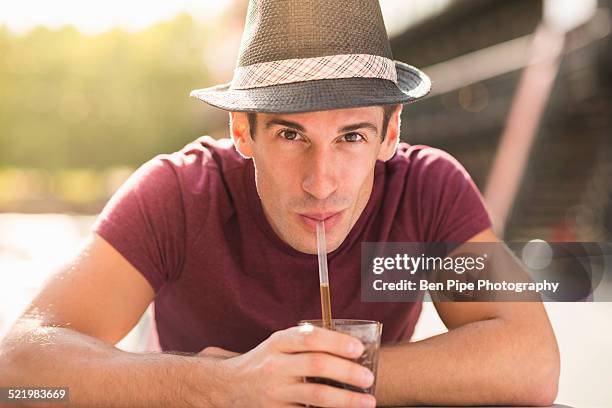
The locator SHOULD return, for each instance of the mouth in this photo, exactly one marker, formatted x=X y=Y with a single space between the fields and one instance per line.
x=310 y=220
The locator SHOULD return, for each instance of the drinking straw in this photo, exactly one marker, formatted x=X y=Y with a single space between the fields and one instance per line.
x=323 y=276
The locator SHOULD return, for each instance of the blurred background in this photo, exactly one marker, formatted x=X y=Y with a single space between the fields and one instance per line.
x=522 y=96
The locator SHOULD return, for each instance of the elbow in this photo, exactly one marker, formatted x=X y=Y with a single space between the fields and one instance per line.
x=11 y=367
x=7 y=365
x=15 y=355
x=544 y=394
x=542 y=384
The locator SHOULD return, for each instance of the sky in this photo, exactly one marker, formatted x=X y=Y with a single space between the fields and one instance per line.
x=95 y=16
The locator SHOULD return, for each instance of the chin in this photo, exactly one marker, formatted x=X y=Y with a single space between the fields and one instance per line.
x=302 y=236
x=308 y=245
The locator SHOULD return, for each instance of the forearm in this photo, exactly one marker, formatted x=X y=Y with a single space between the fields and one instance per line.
x=98 y=374
x=484 y=362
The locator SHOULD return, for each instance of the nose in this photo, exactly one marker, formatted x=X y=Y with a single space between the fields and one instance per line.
x=320 y=181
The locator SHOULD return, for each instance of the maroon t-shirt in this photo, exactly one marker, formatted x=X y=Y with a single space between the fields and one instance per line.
x=192 y=223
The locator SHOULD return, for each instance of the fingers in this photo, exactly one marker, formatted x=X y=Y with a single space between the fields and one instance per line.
x=329 y=366
x=321 y=395
x=310 y=338
x=310 y=351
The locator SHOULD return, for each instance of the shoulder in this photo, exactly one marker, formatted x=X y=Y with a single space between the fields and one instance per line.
x=183 y=186
x=204 y=153
x=192 y=166
x=448 y=204
x=424 y=157
x=422 y=162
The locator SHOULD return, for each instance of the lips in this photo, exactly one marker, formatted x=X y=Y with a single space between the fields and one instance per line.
x=310 y=220
x=320 y=216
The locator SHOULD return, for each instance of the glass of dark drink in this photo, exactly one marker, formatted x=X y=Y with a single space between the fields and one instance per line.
x=369 y=332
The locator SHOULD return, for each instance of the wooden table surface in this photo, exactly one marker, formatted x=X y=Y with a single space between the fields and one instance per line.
x=552 y=406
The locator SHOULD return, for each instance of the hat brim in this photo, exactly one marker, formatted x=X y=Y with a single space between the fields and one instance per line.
x=323 y=94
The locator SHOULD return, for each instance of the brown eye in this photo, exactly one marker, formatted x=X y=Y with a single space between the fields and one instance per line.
x=353 y=137
x=289 y=134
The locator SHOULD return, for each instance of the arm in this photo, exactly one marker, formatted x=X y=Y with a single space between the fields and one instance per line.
x=66 y=336
x=494 y=353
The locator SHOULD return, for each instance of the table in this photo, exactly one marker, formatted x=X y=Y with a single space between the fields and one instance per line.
x=551 y=406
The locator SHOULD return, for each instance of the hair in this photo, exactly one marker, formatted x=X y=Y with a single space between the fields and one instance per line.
x=387 y=113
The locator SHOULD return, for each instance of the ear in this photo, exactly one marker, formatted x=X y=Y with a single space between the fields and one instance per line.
x=389 y=145
x=241 y=134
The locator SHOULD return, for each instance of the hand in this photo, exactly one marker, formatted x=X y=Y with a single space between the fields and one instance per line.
x=272 y=374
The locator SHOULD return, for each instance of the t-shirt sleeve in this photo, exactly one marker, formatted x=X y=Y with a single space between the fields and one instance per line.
x=452 y=204
x=145 y=221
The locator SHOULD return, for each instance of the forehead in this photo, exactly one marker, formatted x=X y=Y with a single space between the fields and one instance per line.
x=372 y=114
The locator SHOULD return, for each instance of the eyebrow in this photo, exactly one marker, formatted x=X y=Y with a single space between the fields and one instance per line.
x=360 y=125
x=287 y=123
x=295 y=125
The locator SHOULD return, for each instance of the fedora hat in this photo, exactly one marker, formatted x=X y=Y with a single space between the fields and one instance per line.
x=312 y=55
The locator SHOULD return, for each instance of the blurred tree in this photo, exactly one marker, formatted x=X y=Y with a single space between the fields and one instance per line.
x=68 y=100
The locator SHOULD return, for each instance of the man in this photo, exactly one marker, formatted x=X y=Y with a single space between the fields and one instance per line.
x=221 y=236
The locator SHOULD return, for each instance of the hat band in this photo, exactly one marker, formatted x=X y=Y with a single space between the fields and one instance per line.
x=309 y=69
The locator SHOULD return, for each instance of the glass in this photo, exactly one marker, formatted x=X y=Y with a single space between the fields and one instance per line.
x=369 y=332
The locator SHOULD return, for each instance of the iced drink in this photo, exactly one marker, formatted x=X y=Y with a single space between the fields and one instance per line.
x=368 y=331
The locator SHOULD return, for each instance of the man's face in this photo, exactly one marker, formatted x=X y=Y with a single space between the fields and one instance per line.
x=315 y=166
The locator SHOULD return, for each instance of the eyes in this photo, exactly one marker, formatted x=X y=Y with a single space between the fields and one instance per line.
x=293 y=135
x=289 y=134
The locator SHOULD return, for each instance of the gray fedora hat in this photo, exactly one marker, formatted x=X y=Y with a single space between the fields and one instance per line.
x=312 y=55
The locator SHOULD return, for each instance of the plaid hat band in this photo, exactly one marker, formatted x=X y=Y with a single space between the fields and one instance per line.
x=308 y=69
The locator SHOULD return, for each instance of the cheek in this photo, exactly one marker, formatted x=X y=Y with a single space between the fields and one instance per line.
x=359 y=173
x=362 y=179
x=275 y=180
